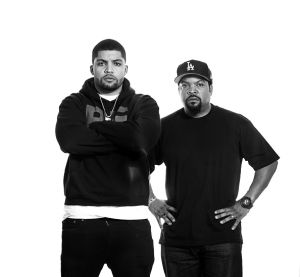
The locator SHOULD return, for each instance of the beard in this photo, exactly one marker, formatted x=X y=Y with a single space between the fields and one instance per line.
x=102 y=85
x=193 y=108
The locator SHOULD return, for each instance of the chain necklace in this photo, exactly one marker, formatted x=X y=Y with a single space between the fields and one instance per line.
x=108 y=116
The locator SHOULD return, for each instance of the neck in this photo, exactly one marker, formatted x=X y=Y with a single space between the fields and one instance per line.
x=206 y=109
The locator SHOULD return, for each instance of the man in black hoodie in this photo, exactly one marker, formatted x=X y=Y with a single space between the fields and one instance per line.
x=107 y=130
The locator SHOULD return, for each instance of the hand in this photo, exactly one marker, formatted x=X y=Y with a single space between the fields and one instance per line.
x=236 y=212
x=160 y=209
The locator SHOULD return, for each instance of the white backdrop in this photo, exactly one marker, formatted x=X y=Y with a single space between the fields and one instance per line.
x=252 y=48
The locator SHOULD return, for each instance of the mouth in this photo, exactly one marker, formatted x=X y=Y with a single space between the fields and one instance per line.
x=193 y=99
x=109 y=78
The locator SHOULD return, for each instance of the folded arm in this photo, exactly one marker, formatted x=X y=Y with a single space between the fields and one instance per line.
x=74 y=136
x=138 y=134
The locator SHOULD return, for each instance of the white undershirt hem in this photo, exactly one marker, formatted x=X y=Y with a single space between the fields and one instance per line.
x=92 y=212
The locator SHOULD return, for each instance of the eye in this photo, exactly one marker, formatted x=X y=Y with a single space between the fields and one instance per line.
x=117 y=63
x=183 y=85
x=200 y=85
x=100 y=63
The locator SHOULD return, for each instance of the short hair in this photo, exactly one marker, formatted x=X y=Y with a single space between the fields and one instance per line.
x=108 y=44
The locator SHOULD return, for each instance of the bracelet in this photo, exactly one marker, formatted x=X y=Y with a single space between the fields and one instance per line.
x=151 y=200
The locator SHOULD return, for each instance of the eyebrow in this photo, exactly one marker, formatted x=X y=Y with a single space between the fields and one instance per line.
x=116 y=60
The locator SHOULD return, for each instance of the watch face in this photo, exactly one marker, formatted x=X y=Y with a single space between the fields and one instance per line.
x=246 y=202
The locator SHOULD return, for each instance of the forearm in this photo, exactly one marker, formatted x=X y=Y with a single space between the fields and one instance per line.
x=124 y=134
x=82 y=142
x=73 y=134
x=138 y=134
x=262 y=178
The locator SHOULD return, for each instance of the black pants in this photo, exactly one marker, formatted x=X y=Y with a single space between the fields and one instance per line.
x=126 y=247
x=218 y=260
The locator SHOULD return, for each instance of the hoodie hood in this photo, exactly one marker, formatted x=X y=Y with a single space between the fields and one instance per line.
x=90 y=91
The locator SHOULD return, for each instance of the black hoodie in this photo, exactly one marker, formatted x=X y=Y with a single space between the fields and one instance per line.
x=107 y=165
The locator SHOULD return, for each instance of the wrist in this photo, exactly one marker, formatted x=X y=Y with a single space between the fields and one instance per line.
x=246 y=202
x=151 y=199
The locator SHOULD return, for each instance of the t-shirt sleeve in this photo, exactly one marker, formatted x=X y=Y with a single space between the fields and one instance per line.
x=254 y=148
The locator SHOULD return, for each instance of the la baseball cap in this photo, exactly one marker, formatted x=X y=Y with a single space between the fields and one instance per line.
x=193 y=67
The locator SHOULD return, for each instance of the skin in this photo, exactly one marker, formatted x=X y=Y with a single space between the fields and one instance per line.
x=109 y=69
x=160 y=209
x=193 y=91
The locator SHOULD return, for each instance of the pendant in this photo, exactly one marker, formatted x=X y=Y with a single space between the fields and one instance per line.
x=107 y=118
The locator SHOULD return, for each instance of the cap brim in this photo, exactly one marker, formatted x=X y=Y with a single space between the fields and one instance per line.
x=178 y=78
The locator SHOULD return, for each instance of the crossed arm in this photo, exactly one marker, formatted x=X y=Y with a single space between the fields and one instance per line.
x=73 y=135
x=137 y=135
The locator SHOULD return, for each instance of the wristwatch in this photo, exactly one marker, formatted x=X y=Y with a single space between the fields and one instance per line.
x=246 y=202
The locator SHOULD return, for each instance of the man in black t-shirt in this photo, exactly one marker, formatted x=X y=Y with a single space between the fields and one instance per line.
x=202 y=146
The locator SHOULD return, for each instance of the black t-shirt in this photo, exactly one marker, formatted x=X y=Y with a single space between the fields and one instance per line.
x=203 y=158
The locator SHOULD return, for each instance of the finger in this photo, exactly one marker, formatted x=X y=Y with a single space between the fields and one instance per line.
x=167 y=220
x=231 y=217
x=221 y=215
x=229 y=212
x=237 y=222
x=170 y=208
x=225 y=210
x=170 y=217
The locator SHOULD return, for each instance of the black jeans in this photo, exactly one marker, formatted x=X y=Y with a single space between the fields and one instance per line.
x=126 y=247
x=218 y=260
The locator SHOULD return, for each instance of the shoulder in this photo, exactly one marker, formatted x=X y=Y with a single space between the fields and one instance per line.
x=74 y=99
x=229 y=116
x=172 y=117
x=231 y=122
x=144 y=101
x=144 y=98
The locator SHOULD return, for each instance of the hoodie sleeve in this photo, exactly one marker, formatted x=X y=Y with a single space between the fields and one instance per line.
x=72 y=133
x=155 y=156
x=139 y=134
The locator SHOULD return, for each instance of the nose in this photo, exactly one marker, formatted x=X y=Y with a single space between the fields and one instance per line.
x=109 y=68
x=192 y=89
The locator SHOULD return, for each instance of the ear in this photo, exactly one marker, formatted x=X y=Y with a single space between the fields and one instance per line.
x=92 y=69
x=211 y=88
x=126 y=69
x=179 y=90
